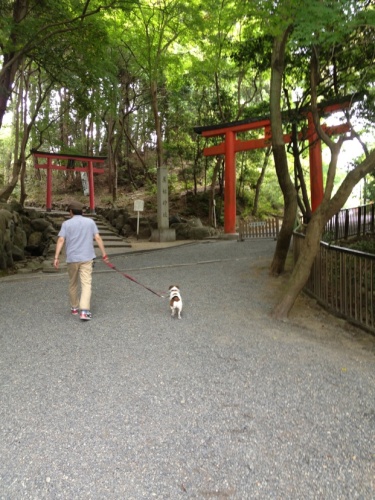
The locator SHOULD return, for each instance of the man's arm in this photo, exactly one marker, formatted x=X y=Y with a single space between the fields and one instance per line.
x=100 y=243
x=59 y=245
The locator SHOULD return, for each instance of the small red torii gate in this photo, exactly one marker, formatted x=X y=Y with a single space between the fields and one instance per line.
x=231 y=145
x=51 y=164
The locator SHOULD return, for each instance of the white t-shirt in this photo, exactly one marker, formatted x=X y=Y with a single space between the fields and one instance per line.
x=79 y=233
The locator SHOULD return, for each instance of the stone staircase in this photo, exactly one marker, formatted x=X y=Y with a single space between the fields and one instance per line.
x=112 y=241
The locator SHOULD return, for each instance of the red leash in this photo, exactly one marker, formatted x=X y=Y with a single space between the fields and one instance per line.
x=109 y=264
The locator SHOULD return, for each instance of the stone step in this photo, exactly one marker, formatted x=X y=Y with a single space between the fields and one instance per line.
x=108 y=232
x=110 y=237
x=114 y=244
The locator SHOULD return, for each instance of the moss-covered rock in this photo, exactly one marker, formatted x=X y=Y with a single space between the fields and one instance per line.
x=23 y=233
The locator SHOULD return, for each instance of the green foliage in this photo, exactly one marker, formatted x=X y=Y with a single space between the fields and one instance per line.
x=328 y=237
x=91 y=70
x=151 y=188
x=369 y=190
x=254 y=50
x=365 y=244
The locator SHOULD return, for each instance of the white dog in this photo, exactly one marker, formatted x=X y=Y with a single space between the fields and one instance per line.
x=175 y=301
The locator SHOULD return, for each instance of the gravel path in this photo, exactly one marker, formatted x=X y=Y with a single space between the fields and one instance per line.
x=223 y=404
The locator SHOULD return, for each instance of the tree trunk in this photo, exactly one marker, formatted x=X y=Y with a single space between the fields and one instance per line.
x=303 y=198
x=155 y=109
x=260 y=181
x=23 y=193
x=7 y=190
x=111 y=156
x=290 y=212
x=132 y=144
x=22 y=130
x=302 y=268
x=327 y=209
x=6 y=82
x=25 y=134
x=11 y=60
x=280 y=156
x=219 y=162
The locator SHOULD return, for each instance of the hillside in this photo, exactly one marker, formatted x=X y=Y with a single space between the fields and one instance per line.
x=183 y=204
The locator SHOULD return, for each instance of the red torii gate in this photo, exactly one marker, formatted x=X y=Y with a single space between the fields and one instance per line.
x=51 y=164
x=231 y=145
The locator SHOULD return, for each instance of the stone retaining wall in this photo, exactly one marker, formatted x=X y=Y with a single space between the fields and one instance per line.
x=126 y=225
x=29 y=232
x=24 y=232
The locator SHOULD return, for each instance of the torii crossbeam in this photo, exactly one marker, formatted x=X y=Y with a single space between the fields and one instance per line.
x=52 y=163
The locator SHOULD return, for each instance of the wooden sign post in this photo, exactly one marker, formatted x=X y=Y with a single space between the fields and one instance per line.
x=139 y=206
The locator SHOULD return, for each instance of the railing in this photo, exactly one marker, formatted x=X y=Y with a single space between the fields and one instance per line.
x=259 y=229
x=351 y=222
x=343 y=280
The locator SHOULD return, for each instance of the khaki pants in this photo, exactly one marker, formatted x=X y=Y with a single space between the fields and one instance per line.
x=80 y=271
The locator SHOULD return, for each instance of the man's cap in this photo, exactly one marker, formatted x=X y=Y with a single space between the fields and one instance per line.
x=75 y=205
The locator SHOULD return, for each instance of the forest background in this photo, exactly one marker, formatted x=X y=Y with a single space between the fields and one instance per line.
x=131 y=79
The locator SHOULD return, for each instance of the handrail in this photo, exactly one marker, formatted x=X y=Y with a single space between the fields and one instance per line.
x=352 y=222
x=350 y=251
x=342 y=279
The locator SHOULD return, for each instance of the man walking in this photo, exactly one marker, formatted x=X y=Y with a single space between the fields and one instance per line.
x=78 y=233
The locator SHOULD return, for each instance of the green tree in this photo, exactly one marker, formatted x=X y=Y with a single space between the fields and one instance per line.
x=63 y=40
x=347 y=19
x=30 y=27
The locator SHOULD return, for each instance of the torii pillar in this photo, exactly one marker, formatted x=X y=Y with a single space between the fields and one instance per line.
x=230 y=184
x=316 y=165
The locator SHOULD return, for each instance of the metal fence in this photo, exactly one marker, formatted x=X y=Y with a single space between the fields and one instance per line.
x=351 y=222
x=342 y=279
x=268 y=228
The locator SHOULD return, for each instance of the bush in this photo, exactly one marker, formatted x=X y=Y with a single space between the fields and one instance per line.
x=364 y=244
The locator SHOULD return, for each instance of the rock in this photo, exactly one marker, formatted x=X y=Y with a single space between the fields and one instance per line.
x=193 y=230
x=23 y=231
x=3 y=258
x=176 y=219
x=34 y=243
x=8 y=252
x=126 y=225
x=35 y=239
x=182 y=231
x=17 y=253
x=15 y=206
x=132 y=221
x=195 y=222
x=5 y=218
x=31 y=213
x=144 y=231
x=26 y=225
x=201 y=233
x=29 y=266
x=20 y=237
x=120 y=221
x=40 y=224
x=126 y=230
